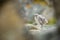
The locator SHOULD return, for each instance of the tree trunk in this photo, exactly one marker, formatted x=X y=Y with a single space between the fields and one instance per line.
x=56 y=4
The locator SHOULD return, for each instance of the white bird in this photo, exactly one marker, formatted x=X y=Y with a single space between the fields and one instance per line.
x=40 y=20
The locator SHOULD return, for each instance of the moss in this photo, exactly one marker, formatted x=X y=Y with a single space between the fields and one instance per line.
x=52 y=21
x=30 y=22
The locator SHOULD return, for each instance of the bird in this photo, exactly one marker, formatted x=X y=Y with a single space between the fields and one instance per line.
x=40 y=20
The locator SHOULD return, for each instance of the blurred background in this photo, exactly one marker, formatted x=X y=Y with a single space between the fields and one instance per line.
x=43 y=19
x=31 y=7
